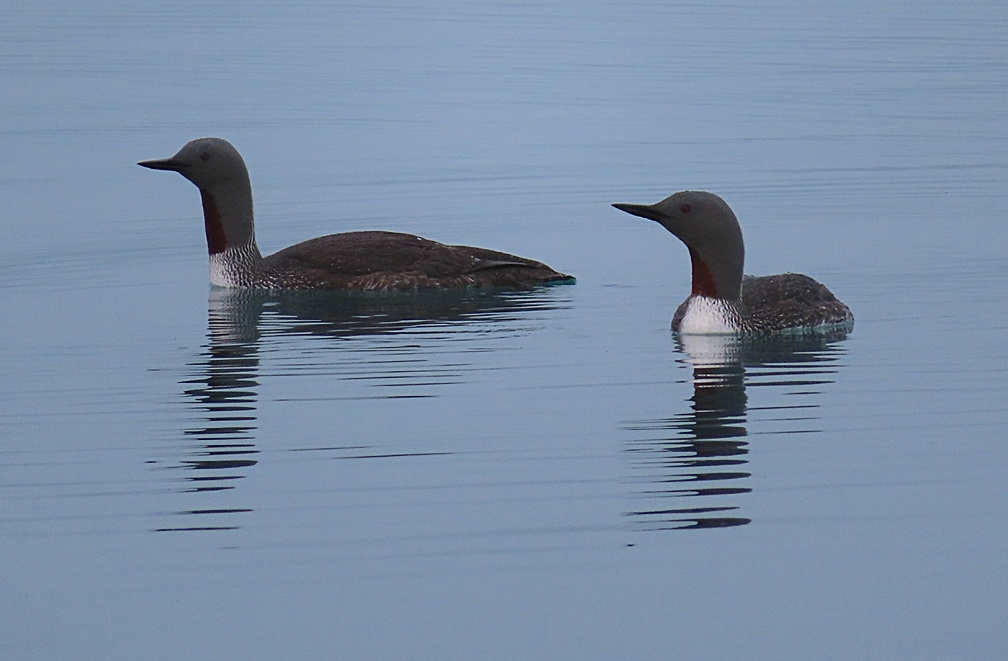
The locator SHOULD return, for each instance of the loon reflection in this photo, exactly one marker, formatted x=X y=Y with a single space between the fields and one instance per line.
x=702 y=453
x=223 y=384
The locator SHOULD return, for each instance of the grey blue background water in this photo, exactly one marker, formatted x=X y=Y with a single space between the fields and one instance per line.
x=187 y=473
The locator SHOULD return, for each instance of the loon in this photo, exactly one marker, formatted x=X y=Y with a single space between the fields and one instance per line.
x=723 y=301
x=351 y=261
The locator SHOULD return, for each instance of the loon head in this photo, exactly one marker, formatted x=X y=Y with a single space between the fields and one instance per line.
x=218 y=170
x=711 y=232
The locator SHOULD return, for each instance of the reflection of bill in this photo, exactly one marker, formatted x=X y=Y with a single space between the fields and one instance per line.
x=701 y=455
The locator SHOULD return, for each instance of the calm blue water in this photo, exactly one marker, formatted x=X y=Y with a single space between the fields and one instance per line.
x=194 y=473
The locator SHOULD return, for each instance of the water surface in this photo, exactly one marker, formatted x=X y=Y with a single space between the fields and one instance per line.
x=195 y=473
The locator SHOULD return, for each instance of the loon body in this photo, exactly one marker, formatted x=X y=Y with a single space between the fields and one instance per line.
x=349 y=261
x=722 y=300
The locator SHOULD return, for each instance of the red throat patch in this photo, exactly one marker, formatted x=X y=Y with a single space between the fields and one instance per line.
x=703 y=279
x=215 y=237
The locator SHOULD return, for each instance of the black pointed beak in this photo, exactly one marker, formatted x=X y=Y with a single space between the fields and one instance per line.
x=165 y=164
x=643 y=210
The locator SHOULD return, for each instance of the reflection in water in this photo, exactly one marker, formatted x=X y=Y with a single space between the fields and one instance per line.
x=223 y=385
x=223 y=390
x=702 y=452
x=247 y=313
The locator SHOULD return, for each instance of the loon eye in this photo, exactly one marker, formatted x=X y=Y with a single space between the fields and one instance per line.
x=685 y=208
x=205 y=156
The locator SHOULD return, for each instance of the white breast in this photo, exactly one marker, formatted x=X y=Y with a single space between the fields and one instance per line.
x=709 y=316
